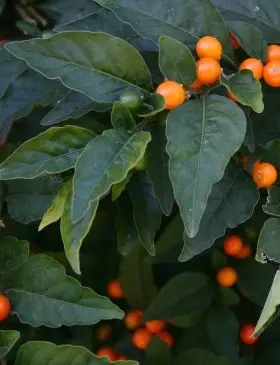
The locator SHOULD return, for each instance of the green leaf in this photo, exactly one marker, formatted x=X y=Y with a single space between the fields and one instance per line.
x=176 y=61
x=7 y=341
x=45 y=353
x=228 y=297
x=121 y=117
x=10 y=69
x=184 y=294
x=54 y=213
x=260 y=14
x=105 y=161
x=200 y=357
x=249 y=140
x=272 y=205
x=157 y=169
x=126 y=230
x=231 y=202
x=55 y=299
x=117 y=189
x=29 y=202
x=270 y=152
x=136 y=276
x=184 y=20
x=250 y=39
x=147 y=212
x=13 y=253
x=72 y=105
x=169 y=244
x=158 y=352
x=53 y=151
x=223 y=329
x=271 y=307
x=27 y=89
x=84 y=61
x=248 y=270
x=73 y=234
x=70 y=11
x=154 y=104
x=214 y=128
x=268 y=243
x=246 y=89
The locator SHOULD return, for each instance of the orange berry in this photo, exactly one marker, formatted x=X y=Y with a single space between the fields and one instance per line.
x=104 y=332
x=208 y=71
x=173 y=93
x=114 y=289
x=271 y=73
x=273 y=53
x=234 y=42
x=155 y=326
x=246 y=333
x=141 y=338
x=196 y=85
x=209 y=47
x=5 y=307
x=166 y=337
x=233 y=245
x=107 y=352
x=254 y=65
x=133 y=319
x=227 y=277
x=122 y=358
x=264 y=174
x=231 y=96
x=245 y=252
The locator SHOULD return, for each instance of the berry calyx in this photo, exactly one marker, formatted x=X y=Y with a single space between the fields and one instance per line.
x=209 y=47
x=173 y=94
x=227 y=277
x=264 y=174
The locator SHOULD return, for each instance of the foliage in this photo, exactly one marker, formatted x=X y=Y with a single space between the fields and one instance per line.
x=99 y=181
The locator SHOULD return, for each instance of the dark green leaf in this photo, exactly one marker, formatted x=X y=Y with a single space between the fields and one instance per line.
x=28 y=202
x=223 y=329
x=136 y=277
x=73 y=105
x=184 y=20
x=121 y=117
x=272 y=205
x=261 y=14
x=176 y=61
x=200 y=357
x=271 y=307
x=147 y=212
x=169 y=244
x=126 y=230
x=55 y=299
x=45 y=353
x=157 y=169
x=182 y=295
x=84 y=61
x=231 y=202
x=250 y=39
x=246 y=89
x=105 y=161
x=70 y=11
x=214 y=128
x=2 y=5
x=117 y=189
x=270 y=153
x=256 y=290
x=73 y=234
x=228 y=297
x=249 y=140
x=158 y=352
x=54 y=213
x=53 y=151
x=13 y=253
x=268 y=243
x=154 y=104
x=7 y=341
x=10 y=69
